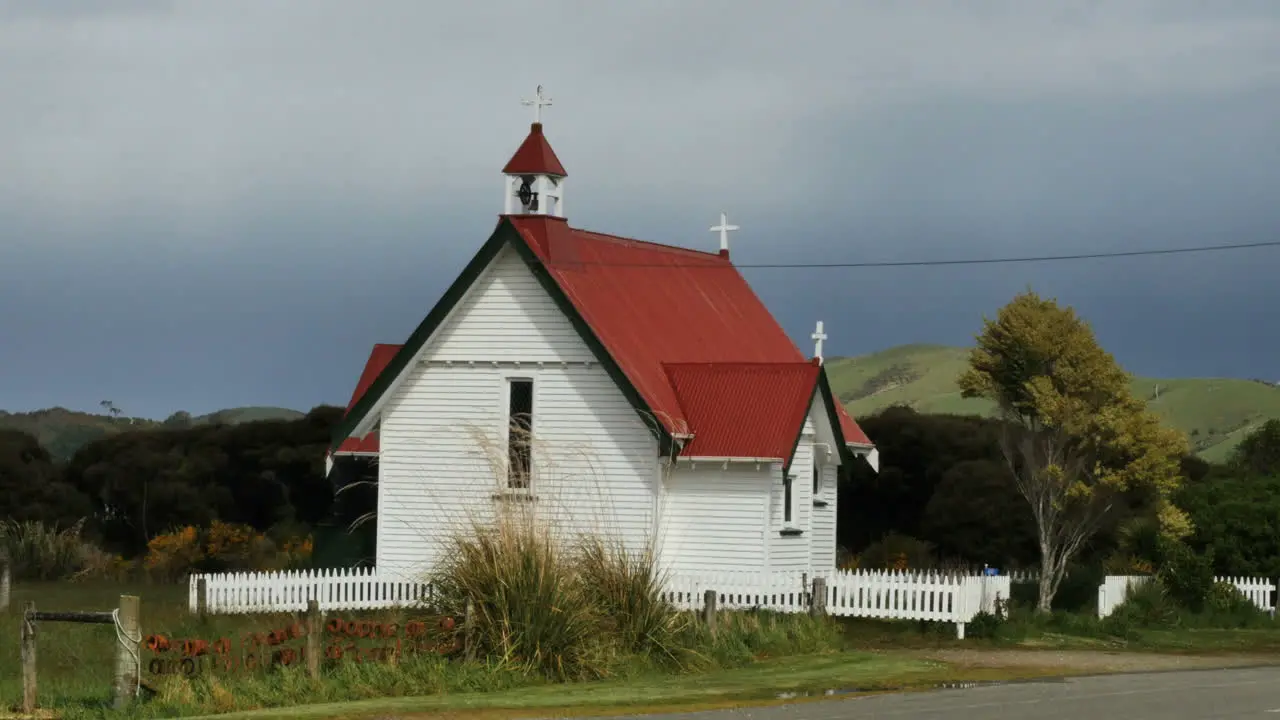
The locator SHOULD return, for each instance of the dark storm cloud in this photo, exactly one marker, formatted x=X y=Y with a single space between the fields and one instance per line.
x=211 y=204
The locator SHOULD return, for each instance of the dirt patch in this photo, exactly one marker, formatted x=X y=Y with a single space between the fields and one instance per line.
x=1089 y=661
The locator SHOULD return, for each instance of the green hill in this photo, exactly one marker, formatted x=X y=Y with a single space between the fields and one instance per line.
x=63 y=431
x=1214 y=412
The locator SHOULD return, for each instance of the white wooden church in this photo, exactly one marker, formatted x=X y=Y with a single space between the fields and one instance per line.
x=620 y=386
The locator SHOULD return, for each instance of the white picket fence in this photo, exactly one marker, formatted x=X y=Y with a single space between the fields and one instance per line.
x=1023 y=576
x=893 y=595
x=289 y=591
x=886 y=594
x=1115 y=589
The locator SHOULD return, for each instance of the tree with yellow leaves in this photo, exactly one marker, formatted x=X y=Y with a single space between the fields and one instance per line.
x=1076 y=440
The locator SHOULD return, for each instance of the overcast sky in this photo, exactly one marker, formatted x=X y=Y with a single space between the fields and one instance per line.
x=228 y=202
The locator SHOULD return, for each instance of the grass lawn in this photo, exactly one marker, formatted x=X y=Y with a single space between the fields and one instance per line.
x=1065 y=632
x=765 y=680
x=75 y=665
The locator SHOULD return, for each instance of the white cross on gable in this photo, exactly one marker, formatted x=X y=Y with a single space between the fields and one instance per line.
x=538 y=102
x=818 y=336
x=724 y=228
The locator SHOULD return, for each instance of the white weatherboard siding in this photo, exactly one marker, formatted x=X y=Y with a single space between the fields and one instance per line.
x=595 y=461
x=713 y=517
x=791 y=552
x=822 y=548
x=822 y=520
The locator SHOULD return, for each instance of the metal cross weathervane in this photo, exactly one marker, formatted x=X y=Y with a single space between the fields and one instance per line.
x=538 y=102
x=818 y=336
x=724 y=228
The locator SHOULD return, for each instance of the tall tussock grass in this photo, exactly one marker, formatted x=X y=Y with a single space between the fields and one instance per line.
x=625 y=588
x=528 y=607
x=587 y=607
x=568 y=610
x=39 y=552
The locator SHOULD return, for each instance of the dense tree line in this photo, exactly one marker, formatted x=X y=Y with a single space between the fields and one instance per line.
x=133 y=486
x=941 y=480
x=944 y=482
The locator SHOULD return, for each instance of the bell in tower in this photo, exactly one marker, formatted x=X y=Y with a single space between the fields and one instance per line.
x=534 y=177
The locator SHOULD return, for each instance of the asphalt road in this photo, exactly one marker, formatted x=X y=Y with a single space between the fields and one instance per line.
x=1186 y=695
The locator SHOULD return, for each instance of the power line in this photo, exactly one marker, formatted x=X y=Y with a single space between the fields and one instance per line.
x=1040 y=258
x=969 y=261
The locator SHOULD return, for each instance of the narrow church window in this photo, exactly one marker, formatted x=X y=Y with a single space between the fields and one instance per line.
x=519 y=432
x=786 y=498
x=817 y=478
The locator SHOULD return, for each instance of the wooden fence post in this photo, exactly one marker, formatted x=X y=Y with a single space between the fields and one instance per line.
x=29 y=660
x=6 y=576
x=709 y=610
x=202 y=599
x=315 y=622
x=128 y=650
x=468 y=626
x=818 y=602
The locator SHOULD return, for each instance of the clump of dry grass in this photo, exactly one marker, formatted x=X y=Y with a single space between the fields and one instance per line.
x=626 y=589
x=575 y=608
x=529 y=609
x=44 y=552
x=553 y=589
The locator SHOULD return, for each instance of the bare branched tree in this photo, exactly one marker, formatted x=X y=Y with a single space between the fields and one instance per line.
x=1051 y=471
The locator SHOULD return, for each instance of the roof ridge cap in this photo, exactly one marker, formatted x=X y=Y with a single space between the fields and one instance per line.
x=741 y=363
x=665 y=246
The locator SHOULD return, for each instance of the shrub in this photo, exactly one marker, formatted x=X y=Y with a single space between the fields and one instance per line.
x=230 y=546
x=296 y=553
x=221 y=547
x=625 y=588
x=984 y=625
x=1226 y=606
x=743 y=637
x=897 y=552
x=528 y=609
x=588 y=608
x=43 y=552
x=173 y=553
x=1188 y=576
x=1148 y=605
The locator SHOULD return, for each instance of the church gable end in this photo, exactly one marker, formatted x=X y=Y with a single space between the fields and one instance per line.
x=505 y=317
x=510 y=270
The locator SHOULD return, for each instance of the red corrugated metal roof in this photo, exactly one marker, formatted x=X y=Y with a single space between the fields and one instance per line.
x=378 y=359
x=653 y=305
x=849 y=427
x=535 y=156
x=692 y=338
x=366 y=444
x=751 y=410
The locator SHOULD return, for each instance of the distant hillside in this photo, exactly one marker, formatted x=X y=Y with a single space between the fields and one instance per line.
x=1214 y=412
x=63 y=431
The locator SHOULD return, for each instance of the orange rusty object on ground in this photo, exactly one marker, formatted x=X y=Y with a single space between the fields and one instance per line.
x=157 y=643
x=195 y=647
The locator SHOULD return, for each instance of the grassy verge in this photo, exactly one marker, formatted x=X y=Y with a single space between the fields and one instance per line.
x=1065 y=631
x=75 y=662
x=759 y=683
x=752 y=660
x=630 y=655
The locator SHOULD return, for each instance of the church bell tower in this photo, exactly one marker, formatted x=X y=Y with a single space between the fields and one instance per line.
x=534 y=178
